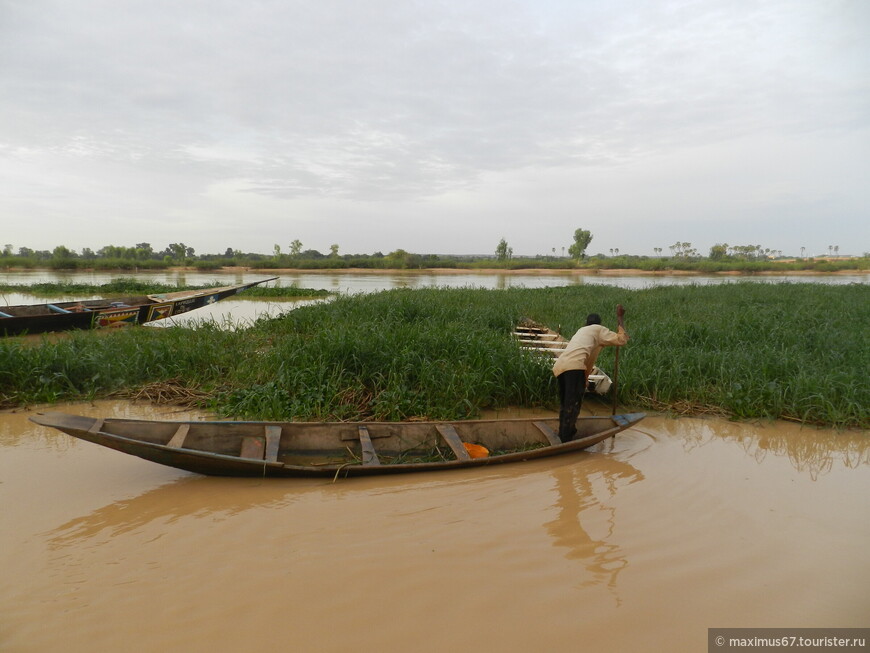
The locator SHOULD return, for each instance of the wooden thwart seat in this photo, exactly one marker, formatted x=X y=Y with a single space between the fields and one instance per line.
x=177 y=441
x=550 y=434
x=273 y=442
x=451 y=437
x=369 y=455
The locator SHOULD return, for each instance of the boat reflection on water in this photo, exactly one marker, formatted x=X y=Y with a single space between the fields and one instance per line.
x=195 y=496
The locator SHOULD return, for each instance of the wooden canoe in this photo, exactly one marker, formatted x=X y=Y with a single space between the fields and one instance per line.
x=280 y=449
x=542 y=339
x=110 y=313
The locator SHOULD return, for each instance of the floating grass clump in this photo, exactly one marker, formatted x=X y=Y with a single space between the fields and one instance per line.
x=744 y=350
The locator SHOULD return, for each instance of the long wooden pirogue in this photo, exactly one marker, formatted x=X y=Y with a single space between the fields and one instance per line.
x=110 y=313
x=333 y=449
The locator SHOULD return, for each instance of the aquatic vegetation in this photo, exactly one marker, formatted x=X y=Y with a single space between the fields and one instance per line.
x=746 y=350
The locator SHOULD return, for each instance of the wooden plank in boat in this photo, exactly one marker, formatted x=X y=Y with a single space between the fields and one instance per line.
x=273 y=442
x=369 y=455
x=177 y=441
x=550 y=434
x=97 y=426
x=451 y=437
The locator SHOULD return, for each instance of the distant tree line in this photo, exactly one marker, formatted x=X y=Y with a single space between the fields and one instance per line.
x=683 y=256
x=173 y=253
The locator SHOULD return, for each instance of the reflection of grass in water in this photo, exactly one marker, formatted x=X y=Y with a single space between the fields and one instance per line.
x=812 y=454
x=744 y=350
x=808 y=449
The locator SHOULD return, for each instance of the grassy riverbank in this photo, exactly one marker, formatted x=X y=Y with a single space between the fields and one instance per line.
x=747 y=350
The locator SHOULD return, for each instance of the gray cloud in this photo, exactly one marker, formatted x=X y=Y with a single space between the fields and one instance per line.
x=396 y=102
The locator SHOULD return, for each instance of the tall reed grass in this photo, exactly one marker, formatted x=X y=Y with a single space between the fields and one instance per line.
x=746 y=350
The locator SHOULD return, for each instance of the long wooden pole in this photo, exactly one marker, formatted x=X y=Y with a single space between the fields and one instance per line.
x=619 y=317
x=615 y=380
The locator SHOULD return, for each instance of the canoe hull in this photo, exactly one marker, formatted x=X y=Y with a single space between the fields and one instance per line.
x=299 y=449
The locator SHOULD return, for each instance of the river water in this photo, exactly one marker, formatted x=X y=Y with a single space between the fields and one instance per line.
x=641 y=544
x=367 y=281
x=241 y=312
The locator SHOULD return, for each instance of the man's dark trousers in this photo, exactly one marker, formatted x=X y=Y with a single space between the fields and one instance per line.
x=572 y=387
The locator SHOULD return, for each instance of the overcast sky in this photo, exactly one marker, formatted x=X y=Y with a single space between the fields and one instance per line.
x=435 y=126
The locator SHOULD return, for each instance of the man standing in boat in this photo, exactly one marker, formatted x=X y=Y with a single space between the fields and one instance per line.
x=574 y=365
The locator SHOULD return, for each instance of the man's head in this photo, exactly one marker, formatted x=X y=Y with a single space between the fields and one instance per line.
x=593 y=318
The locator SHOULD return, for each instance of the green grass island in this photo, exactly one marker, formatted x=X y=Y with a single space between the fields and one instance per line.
x=741 y=350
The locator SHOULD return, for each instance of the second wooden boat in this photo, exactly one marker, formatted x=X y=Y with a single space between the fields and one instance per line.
x=110 y=313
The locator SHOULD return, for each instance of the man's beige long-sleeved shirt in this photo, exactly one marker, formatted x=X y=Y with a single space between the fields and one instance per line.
x=583 y=349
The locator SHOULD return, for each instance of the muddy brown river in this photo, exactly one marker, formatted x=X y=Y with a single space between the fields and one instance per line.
x=640 y=544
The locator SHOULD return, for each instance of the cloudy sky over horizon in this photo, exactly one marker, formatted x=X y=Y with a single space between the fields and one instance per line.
x=435 y=126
